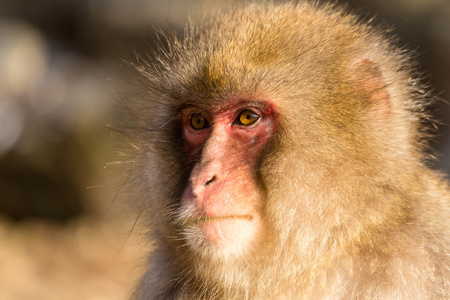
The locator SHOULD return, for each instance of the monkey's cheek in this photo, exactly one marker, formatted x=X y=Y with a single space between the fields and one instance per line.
x=228 y=237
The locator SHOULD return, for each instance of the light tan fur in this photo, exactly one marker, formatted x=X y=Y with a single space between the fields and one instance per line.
x=351 y=210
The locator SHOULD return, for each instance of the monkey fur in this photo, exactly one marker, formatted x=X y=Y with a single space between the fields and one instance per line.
x=347 y=207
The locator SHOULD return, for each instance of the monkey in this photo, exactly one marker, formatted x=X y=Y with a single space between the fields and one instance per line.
x=279 y=151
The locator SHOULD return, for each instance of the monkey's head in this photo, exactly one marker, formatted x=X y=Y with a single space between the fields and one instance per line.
x=264 y=127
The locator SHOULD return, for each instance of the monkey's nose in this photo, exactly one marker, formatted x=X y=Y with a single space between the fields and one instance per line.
x=210 y=180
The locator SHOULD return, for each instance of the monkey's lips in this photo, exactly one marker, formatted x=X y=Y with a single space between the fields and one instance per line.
x=229 y=233
x=218 y=218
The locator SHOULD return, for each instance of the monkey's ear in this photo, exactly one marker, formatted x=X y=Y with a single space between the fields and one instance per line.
x=371 y=84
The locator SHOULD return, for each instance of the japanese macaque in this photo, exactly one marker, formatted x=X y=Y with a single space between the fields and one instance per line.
x=279 y=154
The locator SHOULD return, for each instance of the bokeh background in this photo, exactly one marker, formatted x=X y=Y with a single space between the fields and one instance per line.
x=63 y=233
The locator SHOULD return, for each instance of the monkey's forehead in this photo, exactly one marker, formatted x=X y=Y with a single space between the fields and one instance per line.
x=275 y=46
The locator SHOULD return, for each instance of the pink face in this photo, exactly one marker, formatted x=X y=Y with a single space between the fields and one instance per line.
x=221 y=205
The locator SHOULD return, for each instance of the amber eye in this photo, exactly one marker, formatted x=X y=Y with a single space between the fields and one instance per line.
x=247 y=118
x=199 y=122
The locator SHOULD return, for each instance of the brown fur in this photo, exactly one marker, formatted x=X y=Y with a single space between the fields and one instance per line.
x=350 y=208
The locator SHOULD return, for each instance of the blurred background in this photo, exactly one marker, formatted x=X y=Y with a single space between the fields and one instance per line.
x=63 y=235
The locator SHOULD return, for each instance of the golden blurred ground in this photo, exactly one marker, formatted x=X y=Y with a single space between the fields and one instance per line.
x=84 y=259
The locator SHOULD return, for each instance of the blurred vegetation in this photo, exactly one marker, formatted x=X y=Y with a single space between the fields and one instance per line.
x=63 y=236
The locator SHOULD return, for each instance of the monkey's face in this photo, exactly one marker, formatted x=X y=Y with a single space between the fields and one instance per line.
x=221 y=206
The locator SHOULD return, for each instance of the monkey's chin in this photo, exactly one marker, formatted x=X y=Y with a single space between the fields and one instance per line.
x=225 y=236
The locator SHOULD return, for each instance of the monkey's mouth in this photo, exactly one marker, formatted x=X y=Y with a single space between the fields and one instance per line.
x=209 y=219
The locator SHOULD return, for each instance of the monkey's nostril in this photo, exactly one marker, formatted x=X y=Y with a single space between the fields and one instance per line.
x=210 y=180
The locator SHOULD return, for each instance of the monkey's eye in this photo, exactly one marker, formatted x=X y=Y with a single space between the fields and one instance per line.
x=247 y=118
x=199 y=122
